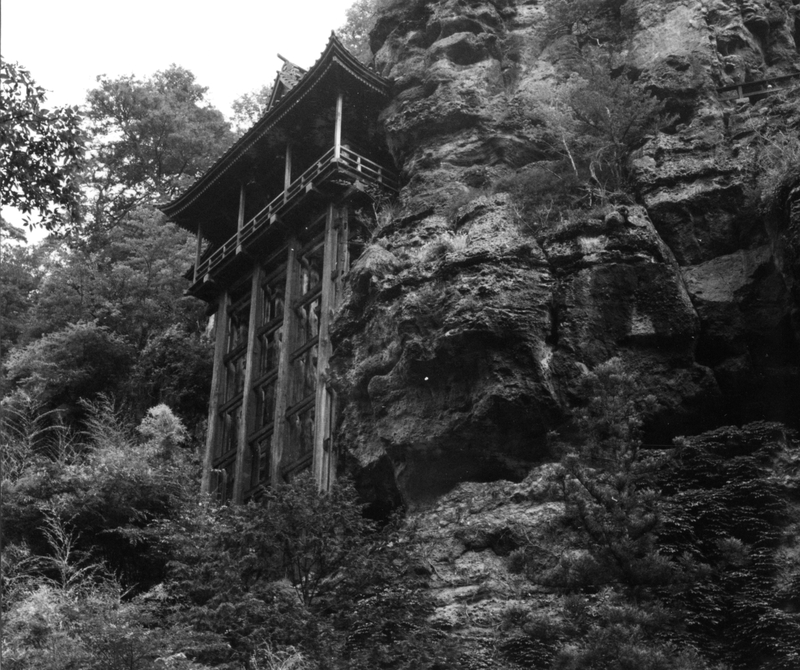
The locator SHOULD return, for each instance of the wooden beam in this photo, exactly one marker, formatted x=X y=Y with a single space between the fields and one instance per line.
x=240 y=219
x=323 y=461
x=337 y=133
x=248 y=399
x=198 y=251
x=282 y=385
x=217 y=383
x=287 y=174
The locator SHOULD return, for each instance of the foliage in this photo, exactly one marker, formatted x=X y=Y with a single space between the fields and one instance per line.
x=128 y=283
x=613 y=113
x=301 y=576
x=611 y=633
x=29 y=432
x=252 y=575
x=108 y=488
x=588 y=22
x=249 y=108
x=93 y=628
x=542 y=191
x=20 y=275
x=174 y=368
x=729 y=509
x=149 y=138
x=69 y=524
x=293 y=533
x=77 y=362
x=40 y=151
x=311 y=536
x=354 y=33
x=775 y=163
x=161 y=428
x=604 y=484
x=589 y=125
x=266 y=658
x=127 y=290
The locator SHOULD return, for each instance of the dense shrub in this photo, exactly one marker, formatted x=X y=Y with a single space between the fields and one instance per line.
x=174 y=368
x=77 y=362
x=730 y=510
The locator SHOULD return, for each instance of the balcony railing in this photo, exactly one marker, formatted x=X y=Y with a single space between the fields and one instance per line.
x=328 y=166
x=759 y=87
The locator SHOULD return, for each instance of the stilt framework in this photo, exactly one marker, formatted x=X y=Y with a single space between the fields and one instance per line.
x=273 y=251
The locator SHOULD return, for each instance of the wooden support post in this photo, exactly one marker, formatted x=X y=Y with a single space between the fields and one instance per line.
x=322 y=463
x=217 y=384
x=198 y=250
x=240 y=221
x=287 y=340
x=287 y=174
x=248 y=397
x=337 y=136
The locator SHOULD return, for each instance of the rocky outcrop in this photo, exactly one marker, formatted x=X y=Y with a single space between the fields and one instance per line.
x=468 y=321
x=490 y=546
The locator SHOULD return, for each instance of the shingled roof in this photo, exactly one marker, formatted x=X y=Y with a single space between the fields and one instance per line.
x=335 y=61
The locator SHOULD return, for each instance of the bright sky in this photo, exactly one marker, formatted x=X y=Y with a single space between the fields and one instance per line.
x=231 y=46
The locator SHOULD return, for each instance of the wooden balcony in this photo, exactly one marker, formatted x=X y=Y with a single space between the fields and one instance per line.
x=760 y=88
x=350 y=169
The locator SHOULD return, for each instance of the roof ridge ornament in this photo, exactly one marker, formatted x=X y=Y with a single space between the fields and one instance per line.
x=287 y=78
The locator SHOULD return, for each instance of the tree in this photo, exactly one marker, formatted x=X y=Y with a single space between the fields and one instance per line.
x=604 y=484
x=127 y=282
x=40 y=151
x=589 y=22
x=150 y=138
x=21 y=270
x=613 y=114
x=354 y=33
x=174 y=368
x=249 y=108
x=77 y=362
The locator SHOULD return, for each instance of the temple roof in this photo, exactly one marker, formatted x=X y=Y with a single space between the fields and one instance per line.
x=334 y=62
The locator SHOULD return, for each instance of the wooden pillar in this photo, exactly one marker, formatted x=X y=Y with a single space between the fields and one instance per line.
x=217 y=388
x=287 y=173
x=323 y=462
x=287 y=340
x=240 y=220
x=337 y=133
x=198 y=249
x=248 y=397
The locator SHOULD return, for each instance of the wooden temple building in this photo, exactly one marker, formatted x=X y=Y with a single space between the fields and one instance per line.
x=274 y=224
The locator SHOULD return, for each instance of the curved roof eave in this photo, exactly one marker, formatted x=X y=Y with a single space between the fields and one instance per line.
x=335 y=53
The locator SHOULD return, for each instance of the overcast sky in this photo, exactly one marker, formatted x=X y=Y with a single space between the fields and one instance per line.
x=229 y=45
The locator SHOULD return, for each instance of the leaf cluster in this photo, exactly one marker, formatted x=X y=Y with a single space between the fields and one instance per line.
x=41 y=151
x=70 y=364
x=150 y=138
x=603 y=480
x=107 y=487
x=359 y=22
x=730 y=511
x=589 y=22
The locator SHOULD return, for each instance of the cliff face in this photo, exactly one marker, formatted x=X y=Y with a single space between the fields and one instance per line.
x=469 y=319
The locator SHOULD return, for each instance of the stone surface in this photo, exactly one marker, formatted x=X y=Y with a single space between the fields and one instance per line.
x=467 y=323
x=469 y=535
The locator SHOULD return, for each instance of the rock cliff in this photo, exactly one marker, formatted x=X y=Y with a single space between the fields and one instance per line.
x=470 y=318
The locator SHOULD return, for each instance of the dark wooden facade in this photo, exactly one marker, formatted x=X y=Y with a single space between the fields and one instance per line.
x=273 y=219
